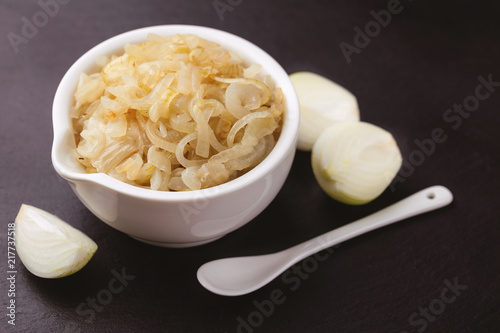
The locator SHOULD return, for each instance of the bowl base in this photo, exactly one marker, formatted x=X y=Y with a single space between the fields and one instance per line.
x=174 y=244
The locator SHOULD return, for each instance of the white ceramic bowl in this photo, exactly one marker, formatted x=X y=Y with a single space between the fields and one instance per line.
x=175 y=219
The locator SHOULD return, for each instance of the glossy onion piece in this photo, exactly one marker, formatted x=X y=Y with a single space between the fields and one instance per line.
x=355 y=162
x=322 y=103
x=90 y=87
x=48 y=246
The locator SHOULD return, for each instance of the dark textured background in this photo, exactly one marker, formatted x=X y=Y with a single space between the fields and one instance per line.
x=427 y=59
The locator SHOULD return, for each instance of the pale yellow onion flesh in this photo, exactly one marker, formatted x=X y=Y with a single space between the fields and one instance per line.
x=48 y=246
x=322 y=103
x=175 y=103
x=355 y=162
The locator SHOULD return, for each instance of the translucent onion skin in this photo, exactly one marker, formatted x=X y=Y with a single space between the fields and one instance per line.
x=175 y=113
x=355 y=162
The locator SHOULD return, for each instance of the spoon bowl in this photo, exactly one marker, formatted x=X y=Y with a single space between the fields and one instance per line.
x=242 y=275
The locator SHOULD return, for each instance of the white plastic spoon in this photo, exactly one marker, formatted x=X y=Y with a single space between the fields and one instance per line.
x=242 y=275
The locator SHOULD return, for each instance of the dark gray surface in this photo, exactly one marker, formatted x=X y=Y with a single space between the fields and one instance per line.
x=428 y=58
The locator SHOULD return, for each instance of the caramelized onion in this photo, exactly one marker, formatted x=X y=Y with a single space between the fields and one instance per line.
x=175 y=114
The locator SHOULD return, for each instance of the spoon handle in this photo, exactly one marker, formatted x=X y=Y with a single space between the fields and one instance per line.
x=426 y=200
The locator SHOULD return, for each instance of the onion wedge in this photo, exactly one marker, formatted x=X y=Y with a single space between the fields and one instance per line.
x=48 y=246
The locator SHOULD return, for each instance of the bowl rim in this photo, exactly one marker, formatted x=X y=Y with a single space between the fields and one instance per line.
x=62 y=124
